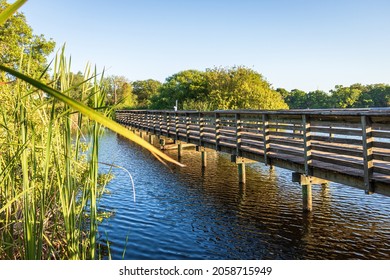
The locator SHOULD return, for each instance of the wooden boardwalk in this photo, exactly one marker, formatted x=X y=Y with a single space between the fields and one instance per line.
x=349 y=146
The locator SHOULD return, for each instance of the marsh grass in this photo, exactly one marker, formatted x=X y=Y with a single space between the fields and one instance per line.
x=49 y=177
x=49 y=180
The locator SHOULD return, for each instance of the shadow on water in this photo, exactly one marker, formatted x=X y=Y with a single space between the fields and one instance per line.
x=205 y=213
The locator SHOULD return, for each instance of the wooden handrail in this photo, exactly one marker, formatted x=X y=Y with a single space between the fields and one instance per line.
x=348 y=146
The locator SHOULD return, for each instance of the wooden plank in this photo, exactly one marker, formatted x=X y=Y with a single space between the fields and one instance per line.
x=253 y=144
x=307 y=180
x=282 y=152
x=287 y=142
x=334 y=123
x=337 y=161
x=258 y=135
x=286 y=134
x=337 y=150
x=381 y=169
x=289 y=127
x=319 y=138
x=339 y=131
x=381 y=156
x=381 y=134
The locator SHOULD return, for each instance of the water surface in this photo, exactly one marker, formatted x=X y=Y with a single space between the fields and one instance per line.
x=195 y=213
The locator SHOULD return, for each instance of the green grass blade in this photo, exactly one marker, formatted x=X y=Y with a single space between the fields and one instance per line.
x=10 y=10
x=92 y=114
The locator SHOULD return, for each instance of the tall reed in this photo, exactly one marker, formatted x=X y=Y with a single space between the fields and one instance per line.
x=48 y=186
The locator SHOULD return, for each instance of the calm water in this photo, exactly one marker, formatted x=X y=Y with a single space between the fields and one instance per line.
x=192 y=213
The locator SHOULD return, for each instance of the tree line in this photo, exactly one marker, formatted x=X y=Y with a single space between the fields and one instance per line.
x=353 y=96
x=212 y=89
x=237 y=88
x=231 y=88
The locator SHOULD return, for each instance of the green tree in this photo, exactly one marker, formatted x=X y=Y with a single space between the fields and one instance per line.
x=120 y=92
x=145 y=90
x=186 y=87
x=284 y=93
x=241 y=88
x=377 y=95
x=346 y=97
x=297 y=99
x=16 y=39
x=77 y=92
x=318 y=99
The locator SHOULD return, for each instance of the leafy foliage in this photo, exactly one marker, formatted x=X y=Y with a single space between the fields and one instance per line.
x=185 y=86
x=120 y=92
x=354 y=96
x=218 y=88
x=145 y=91
x=241 y=88
x=17 y=39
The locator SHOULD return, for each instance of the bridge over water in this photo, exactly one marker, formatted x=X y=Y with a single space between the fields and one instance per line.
x=347 y=146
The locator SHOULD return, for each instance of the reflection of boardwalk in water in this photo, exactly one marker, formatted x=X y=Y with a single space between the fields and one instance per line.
x=351 y=147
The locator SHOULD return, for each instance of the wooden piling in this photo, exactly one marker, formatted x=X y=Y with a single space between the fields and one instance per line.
x=203 y=155
x=241 y=172
x=179 y=149
x=307 y=198
x=162 y=143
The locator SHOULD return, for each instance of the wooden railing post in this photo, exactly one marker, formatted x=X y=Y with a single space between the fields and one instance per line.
x=266 y=139
x=307 y=145
x=201 y=128
x=176 y=126
x=167 y=121
x=132 y=120
x=154 y=122
x=368 y=161
x=148 y=123
x=238 y=134
x=187 y=128
x=160 y=123
x=217 y=131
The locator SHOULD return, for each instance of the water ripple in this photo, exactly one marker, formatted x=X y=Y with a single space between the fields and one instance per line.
x=192 y=213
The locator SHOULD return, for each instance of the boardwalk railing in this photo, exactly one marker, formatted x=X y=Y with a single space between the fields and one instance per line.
x=351 y=147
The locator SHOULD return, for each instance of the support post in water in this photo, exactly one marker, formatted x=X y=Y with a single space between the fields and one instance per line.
x=306 y=182
x=240 y=161
x=203 y=155
x=179 y=149
x=307 y=200
x=241 y=172
x=162 y=143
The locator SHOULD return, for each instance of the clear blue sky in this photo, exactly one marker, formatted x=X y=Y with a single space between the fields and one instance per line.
x=304 y=44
